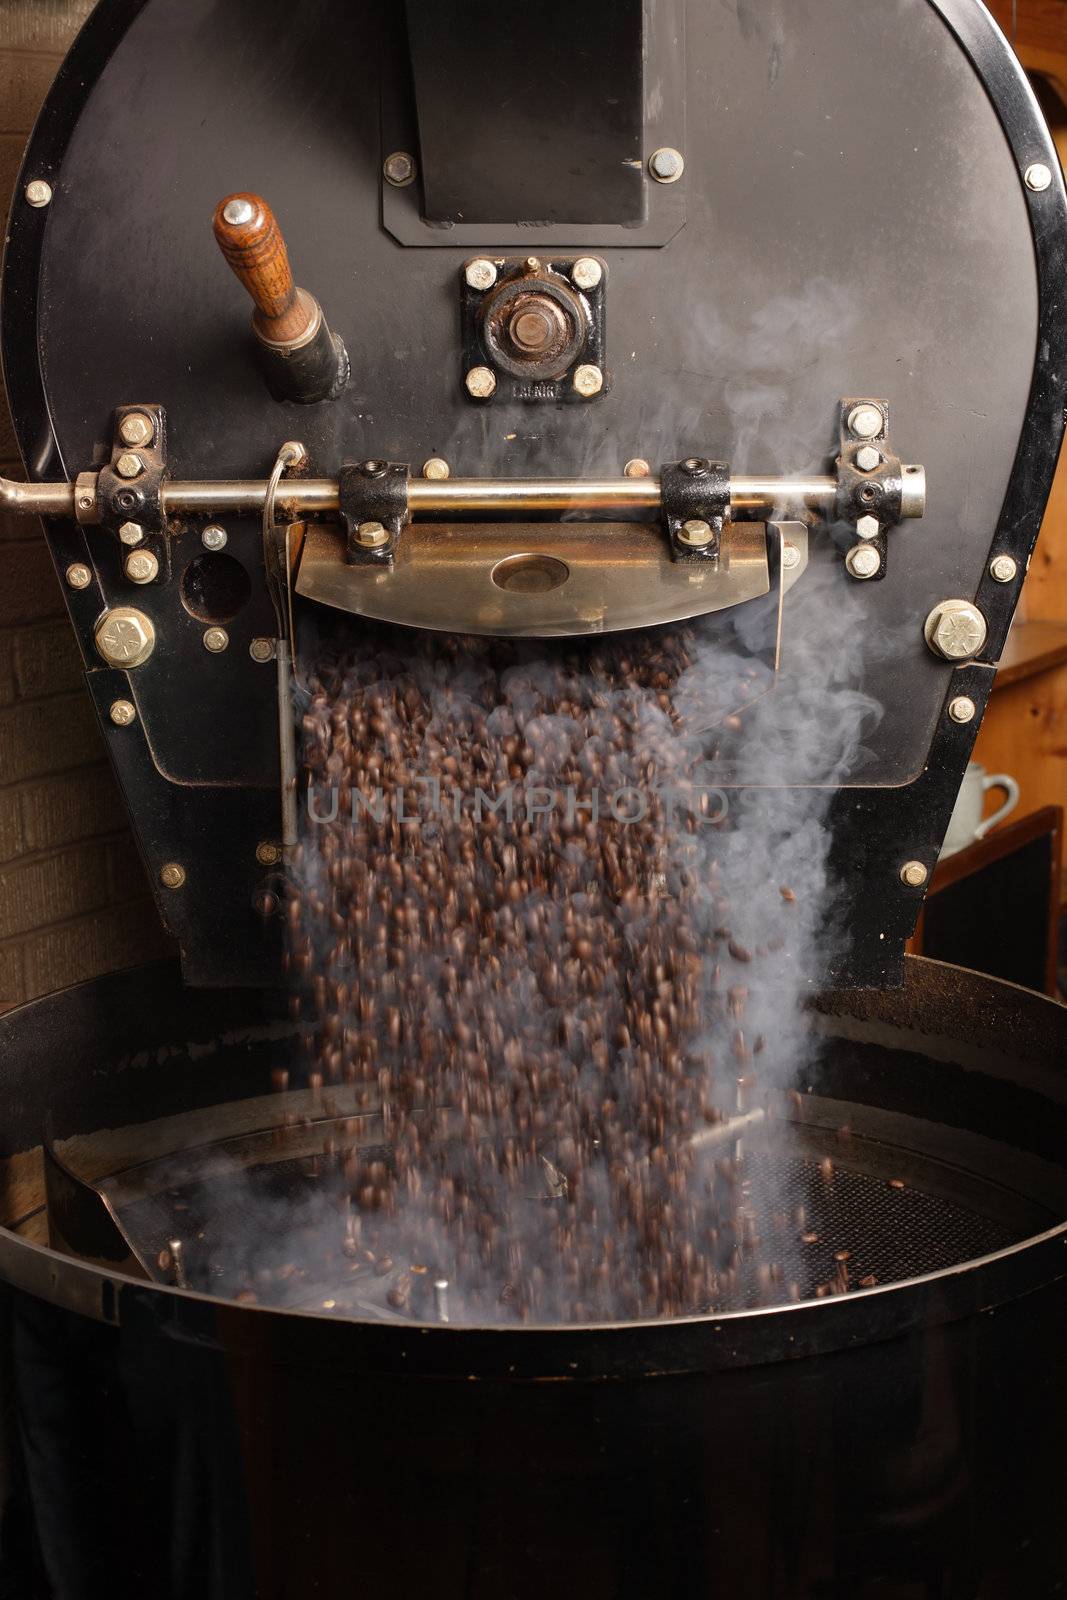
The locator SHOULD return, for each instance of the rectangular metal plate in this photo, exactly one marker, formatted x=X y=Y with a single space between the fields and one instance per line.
x=554 y=130
x=550 y=182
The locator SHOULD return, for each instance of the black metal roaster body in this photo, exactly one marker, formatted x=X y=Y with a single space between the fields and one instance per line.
x=823 y=240
x=168 y=1443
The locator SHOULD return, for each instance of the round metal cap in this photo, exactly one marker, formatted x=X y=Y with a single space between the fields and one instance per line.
x=399 y=169
x=135 y=428
x=586 y=272
x=237 y=212
x=863 y=561
x=696 y=534
x=372 y=535
x=480 y=274
x=666 y=164
x=866 y=422
x=122 y=713
x=141 y=567
x=588 y=381
x=481 y=383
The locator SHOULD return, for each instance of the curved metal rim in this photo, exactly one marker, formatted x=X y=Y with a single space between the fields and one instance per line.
x=537 y=1352
x=592 y=1352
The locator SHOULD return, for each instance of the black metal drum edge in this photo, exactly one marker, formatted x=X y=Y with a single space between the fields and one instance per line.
x=588 y=1353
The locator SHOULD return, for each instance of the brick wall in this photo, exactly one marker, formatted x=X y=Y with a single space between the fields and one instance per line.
x=73 y=897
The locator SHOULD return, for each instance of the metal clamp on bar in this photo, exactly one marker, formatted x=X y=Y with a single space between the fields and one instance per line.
x=127 y=495
x=373 y=501
x=695 y=501
x=875 y=490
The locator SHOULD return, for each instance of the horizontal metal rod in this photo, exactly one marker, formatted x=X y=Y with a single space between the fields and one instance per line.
x=460 y=497
x=37 y=499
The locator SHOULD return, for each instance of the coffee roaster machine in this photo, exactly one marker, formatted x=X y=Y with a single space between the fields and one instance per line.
x=559 y=262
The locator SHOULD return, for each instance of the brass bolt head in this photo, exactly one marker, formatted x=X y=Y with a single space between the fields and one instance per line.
x=128 y=465
x=268 y=854
x=868 y=458
x=261 y=650
x=436 y=468
x=125 y=637
x=1003 y=569
x=78 y=575
x=216 y=640
x=586 y=272
x=480 y=274
x=213 y=538
x=131 y=533
x=122 y=713
x=956 y=630
x=863 y=561
x=866 y=422
x=696 y=534
x=142 y=567
x=588 y=381
x=372 y=535
x=172 y=876
x=914 y=874
x=135 y=428
x=962 y=709
x=637 y=468
x=399 y=169
x=666 y=164
x=481 y=383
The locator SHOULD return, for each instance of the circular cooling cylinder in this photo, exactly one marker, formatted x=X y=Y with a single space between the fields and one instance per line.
x=955 y=1092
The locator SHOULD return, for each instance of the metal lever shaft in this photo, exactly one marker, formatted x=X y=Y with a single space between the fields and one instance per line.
x=750 y=497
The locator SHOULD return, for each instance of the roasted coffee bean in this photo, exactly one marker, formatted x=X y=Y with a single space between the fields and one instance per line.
x=513 y=989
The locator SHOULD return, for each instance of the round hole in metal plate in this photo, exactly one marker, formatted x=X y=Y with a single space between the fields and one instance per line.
x=530 y=574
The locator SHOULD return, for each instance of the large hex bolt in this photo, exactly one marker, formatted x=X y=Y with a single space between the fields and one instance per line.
x=956 y=630
x=125 y=637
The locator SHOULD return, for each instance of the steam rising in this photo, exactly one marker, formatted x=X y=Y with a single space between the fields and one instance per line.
x=566 y=1018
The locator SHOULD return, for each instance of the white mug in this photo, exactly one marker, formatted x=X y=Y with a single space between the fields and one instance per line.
x=967 y=825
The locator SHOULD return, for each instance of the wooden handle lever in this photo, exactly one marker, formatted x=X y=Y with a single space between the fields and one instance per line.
x=251 y=240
